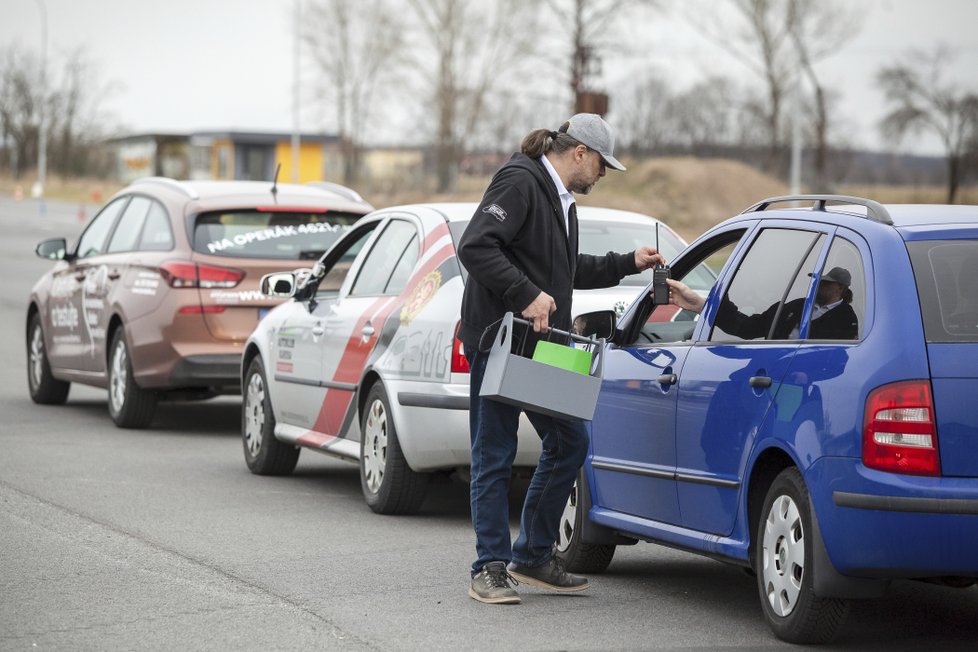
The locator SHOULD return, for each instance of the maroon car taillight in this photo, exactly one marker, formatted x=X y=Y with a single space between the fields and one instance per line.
x=900 y=432
x=181 y=274
x=459 y=364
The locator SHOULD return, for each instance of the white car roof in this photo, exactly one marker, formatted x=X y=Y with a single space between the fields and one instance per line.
x=462 y=212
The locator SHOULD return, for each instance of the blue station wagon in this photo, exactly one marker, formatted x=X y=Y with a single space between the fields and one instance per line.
x=827 y=462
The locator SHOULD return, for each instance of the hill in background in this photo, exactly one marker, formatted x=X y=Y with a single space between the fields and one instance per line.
x=690 y=194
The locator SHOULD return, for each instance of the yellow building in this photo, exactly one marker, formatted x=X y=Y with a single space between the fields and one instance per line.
x=255 y=156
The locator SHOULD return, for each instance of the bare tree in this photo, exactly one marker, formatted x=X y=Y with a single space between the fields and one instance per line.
x=19 y=108
x=757 y=35
x=921 y=101
x=477 y=46
x=647 y=119
x=711 y=114
x=77 y=122
x=353 y=44
x=592 y=27
x=817 y=30
x=72 y=112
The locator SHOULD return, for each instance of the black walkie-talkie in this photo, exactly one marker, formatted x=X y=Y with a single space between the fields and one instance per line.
x=660 y=289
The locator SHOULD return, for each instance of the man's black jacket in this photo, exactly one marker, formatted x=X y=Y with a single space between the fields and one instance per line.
x=840 y=323
x=517 y=246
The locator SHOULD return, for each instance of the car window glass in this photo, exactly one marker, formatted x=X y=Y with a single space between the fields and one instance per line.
x=404 y=267
x=843 y=322
x=92 y=241
x=336 y=274
x=286 y=234
x=127 y=230
x=598 y=237
x=670 y=323
x=945 y=272
x=789 y=320
x=752 y=302
x=383 y=257
x=157 y=235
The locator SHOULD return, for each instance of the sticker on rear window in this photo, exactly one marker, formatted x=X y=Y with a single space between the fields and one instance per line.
x=272 y=233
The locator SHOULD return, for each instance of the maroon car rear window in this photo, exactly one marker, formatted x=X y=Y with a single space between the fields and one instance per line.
x=288 y=235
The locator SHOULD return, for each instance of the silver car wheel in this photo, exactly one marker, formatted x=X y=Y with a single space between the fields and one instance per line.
x=783 y=555
x=375 y=446
x=36 y=355
x=567 y=520
x=254 y=413
x=118 y=377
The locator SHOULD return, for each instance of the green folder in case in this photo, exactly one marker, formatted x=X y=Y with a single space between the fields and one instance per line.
x=565 y=357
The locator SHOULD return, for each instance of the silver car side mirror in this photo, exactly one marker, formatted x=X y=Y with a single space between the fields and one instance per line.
x=279 y=284
x=54 y=249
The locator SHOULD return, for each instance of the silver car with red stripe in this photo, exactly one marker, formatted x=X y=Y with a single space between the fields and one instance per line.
x=363 y=362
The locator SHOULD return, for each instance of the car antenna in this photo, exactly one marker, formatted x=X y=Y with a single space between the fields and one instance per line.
x=275 y=181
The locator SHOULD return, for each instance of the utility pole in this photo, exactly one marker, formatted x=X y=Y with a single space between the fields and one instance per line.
x=295 y=92
x=42 y=132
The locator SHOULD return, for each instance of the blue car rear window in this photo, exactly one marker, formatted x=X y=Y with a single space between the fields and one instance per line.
x=946 y=274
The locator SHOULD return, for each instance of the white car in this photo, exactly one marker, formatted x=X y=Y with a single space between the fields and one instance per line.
x=363 y=362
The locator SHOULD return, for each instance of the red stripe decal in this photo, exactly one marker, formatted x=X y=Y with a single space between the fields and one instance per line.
x=433 y=236
x=337 y=401
x=316 y=439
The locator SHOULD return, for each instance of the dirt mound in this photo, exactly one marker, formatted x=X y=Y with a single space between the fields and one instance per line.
x=689 y=194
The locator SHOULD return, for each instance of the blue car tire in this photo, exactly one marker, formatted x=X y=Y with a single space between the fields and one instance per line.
x=783 y=559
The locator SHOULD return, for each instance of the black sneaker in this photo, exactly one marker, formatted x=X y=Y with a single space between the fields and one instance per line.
x=550 y=575
x=492 y=585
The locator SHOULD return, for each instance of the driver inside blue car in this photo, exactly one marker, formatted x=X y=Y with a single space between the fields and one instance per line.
x=832 y=315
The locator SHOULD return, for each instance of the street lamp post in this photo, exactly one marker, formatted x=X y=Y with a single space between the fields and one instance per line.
x=297 y=9
x=42 y=135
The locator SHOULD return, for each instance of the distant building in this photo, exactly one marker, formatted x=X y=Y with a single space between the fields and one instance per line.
x=227 y=155
x=147 y=155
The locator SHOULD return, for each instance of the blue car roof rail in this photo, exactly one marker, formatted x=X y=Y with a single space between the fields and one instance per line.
x=874 y=210
x=172 y=183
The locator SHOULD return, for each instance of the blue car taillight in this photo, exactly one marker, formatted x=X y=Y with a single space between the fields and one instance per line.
x=900 y=432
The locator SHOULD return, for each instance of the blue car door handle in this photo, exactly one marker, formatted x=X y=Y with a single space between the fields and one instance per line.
x=667 y=379
x=760 y=381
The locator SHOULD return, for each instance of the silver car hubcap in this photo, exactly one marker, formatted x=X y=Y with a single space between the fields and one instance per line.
x=783 y=556
x=36 y=355
x=119 y=377
x=567 y=520
x=254 y=414
x=375 y=446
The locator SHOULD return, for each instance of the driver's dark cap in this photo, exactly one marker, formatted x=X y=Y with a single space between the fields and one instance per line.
x=838 y=275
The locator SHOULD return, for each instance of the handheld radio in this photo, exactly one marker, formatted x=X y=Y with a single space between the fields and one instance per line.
x=660 y=289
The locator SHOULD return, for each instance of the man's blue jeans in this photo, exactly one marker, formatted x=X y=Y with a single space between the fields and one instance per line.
x=493 y=427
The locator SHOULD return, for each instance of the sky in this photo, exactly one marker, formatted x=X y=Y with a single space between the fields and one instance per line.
x=196 y=65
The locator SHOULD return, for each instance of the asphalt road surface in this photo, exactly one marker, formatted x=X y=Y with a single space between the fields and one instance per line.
x=161 y=539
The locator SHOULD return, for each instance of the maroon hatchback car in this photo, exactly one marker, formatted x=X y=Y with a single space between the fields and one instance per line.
x=159 y=294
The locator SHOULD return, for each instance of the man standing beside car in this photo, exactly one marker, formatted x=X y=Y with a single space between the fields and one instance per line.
x=521 y=252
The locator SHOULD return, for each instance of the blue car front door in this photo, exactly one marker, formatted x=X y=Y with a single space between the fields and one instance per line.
x=731 y=378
